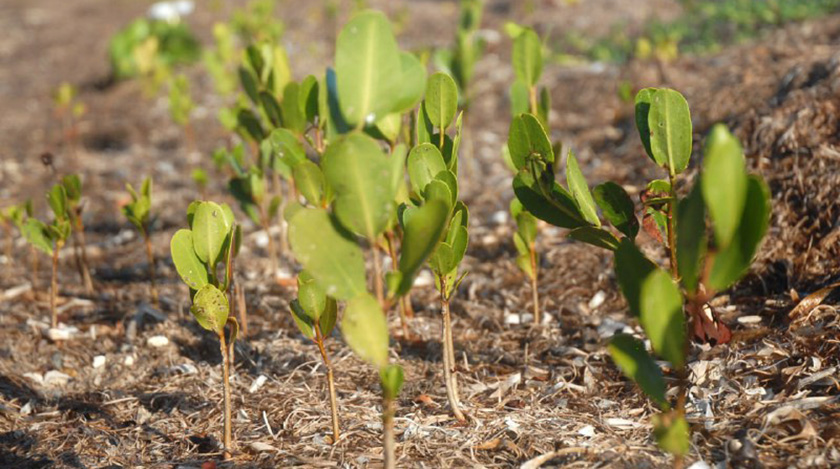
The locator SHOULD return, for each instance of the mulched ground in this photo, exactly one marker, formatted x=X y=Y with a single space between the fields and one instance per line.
x=768 y=399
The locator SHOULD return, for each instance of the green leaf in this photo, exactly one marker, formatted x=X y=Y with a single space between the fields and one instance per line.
x=617 y=208
x=662 y=316
x=294 y=114
x=423 y=127
x=365 y=330
x=310 y=181
x=527 y=57
x=391 y=378
x=367 y=61
x=354 y=168
x=724 y=183
x=249 y=84
x=424 y=163
x=210 y=230
x=669 y=122
x=210 y=308
x=248 y=122
x=190 y=268
x=422 y=233
x=630 y=356
x=328 y=317
x=441 y=100
x=691 y=238
x=387 y=127
x=672 y=433
x=57 y=199
x=398 y=163
x=35 y=231
x=286 y=148
x=271 y=108
x=557 y=208
x=580 y=190
x=631 y=270
x=527 y=139
x=72 y=187
x=302 y=319
x=732 y=262
x=642 y=108
x=308 y=98
x=596 y=237
x=412 y=83
x=328 y=253
x=435 y=188
x=311 y=296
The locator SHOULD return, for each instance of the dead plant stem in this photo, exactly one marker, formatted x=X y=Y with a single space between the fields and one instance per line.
x=226 y=385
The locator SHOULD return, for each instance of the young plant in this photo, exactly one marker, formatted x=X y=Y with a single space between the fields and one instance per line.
x=180 y=106
x=50 y=239
x=738 y=211
x=73 y=190
x=527 y=63
x=212 y=239
x=433 y=171
x=352 y=194
x=459 y=61
x=315 y=314
x=220 y=60
x=138 y=212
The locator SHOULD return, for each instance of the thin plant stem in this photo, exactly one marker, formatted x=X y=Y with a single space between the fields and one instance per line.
x=33 y=256
x=54 y=285
x=319 y=339
x=226 y=384
x=272 y=250
x=532 y=98
x=535 y=294
x=241 y=307
x=388 y=439
x=392 y=252
x=84 y=269
x=151 y=259
x=672 y=227
x=377 y=275
x=449 y=371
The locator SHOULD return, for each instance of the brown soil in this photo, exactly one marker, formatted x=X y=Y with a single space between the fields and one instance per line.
x=768 y=399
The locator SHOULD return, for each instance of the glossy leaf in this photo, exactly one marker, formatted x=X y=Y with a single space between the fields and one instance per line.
x=412 y=83
x=596 y=237
x=642 y=108
x=35 y=232
x=302 y=319
x=422 y=233
x=211 y=229
x=424 y=163
x=310 y=181
x=391 y=378
x=190 y=268
x=366 y=62
x=630 y=356
x=662 y=317
x=527 y=139
x=210 y=308
x=441 y=100
x=557 y=207
x=328 y=253
x=519 y=98
x=312 y=297
x=724 y=183
x=617 y=207
x=354 y=168
x=365 y=330
x=669 y=122
x=580 y=190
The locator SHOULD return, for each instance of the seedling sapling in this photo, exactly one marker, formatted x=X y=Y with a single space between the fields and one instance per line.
x=73 y=190
x=14 y=215
x=138 y=212
x=315 y=314
x=527 y=63
x=213 y=239
x=352 y=195
x=433 y=170
x=68 y=110
x=738 y=207
x=50 y=239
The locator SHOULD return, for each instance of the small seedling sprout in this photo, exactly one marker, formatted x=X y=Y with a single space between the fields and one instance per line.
x=139 y=213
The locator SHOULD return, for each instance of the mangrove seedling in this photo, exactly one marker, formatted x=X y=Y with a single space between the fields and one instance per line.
x=352 y=195
x=315 y=314
x=73 y=190
x=51 y=238
x=433 y=171
x=527 y=258
x=738 y=211
x=138 y=212
x=527 y=57
x=211 y=240
x=68 y=110
x=14 y=215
